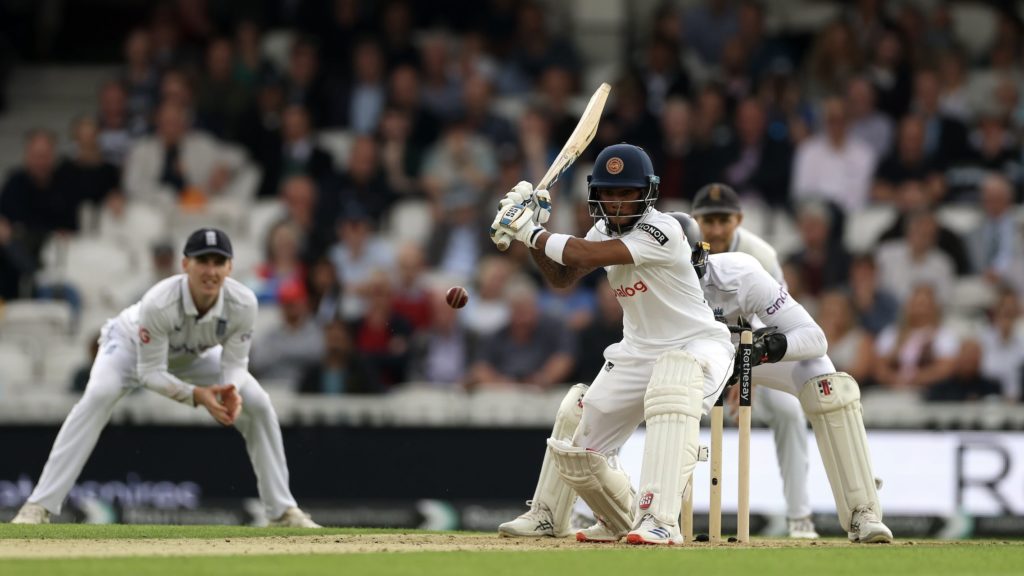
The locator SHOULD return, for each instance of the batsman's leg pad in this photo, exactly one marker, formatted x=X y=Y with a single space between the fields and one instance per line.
x=552 y=491
x=672 y=409
x=605 y=488
x=832 y=404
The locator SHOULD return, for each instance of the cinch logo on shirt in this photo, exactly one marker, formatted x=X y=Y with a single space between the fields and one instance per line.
x=778 y=302
x=627 y=291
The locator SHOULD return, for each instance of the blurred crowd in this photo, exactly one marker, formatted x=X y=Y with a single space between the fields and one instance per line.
x=882 y=107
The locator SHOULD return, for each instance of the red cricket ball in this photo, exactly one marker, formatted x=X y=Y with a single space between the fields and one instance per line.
x=457 y=297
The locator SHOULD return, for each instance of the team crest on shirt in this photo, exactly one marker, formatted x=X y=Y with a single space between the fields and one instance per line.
x=654 y=232
x=144 y=336
x=222 y=327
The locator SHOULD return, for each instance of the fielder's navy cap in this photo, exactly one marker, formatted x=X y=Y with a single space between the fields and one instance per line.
x=716 y=199
x=208 y=241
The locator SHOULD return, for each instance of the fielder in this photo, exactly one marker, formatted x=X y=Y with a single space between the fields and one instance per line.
x=789 y=356
x=187 y=339
x=669 y=369
x=717 y=209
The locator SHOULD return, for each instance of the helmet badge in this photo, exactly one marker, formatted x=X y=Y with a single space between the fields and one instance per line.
x=614 y=165
x=715 y=193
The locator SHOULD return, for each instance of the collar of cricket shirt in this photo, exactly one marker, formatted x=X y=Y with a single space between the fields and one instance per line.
x=190 y=305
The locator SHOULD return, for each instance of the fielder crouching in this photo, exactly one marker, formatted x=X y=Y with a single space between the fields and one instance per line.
x=187 y=339
x=670 y=367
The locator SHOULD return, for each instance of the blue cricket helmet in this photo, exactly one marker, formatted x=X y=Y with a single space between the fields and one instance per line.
x=622 y=166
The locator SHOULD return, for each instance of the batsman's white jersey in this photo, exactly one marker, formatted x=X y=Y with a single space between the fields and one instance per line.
x=163 y=344
x=663 y=309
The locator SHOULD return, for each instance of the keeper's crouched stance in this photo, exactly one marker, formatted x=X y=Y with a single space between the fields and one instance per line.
x=670 y=366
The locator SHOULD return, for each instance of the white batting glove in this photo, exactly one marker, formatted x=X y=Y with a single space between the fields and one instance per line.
x=517 y=221
x=538 y=200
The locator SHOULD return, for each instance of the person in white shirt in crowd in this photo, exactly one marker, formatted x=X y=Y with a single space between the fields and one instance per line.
x=187 y=339
x=1002 y=346
x=717 y=210
x=996 y=243
x=282 y=354
x=917 y=351
x=789 y=357
x=358 y=253
x=668 y=370
x=866 y=123
x=177 y=164
x=916 y=259
x=834 y=165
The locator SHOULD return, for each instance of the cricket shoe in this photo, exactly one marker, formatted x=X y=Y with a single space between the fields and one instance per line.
x=865 y=527
x=32 y=514
x=802 y=528
x=599 y=533
x=537 y=522
x=294 y=518
x=651 y=531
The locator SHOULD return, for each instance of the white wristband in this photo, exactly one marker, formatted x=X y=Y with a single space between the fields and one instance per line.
x=555 y=246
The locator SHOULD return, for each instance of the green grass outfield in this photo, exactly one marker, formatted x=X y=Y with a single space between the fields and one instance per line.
x=906 y=557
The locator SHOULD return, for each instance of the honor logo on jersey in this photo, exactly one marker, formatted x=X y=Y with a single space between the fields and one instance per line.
x=777 y=305
x=630 y=291
x=654 y=232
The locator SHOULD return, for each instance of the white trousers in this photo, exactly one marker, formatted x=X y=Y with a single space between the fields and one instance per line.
x=114 y=374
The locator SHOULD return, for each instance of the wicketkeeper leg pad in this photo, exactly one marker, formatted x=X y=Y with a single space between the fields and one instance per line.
x=605 y=488
x=832 y=404
x=672 y=409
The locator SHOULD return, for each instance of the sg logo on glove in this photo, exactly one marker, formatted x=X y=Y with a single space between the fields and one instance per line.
x=510 y=216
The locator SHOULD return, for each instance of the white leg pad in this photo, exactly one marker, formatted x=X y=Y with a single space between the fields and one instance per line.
x=605 y=488
x=832 y=404
x=672 y=409
x=552 y=491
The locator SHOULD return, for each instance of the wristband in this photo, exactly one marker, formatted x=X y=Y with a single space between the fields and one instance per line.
x=556 y=246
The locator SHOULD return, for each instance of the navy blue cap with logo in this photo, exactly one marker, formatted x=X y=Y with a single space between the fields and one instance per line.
x=622 y=166
x=208 y=241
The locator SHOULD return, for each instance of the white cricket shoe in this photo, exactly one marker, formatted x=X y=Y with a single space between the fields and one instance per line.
x=651 y=531
x=32 y=514
x=598 y=533
x=802 y=528
x=294 y=518
x=537 y=522
x=867 y=528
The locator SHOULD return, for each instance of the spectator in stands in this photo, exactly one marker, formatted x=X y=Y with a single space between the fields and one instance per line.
x=945 y=138
x=708 y=25
x=534 y=50
x=833 y=165
x=261 y=126
x=441 y=85
x=325 y=292
x=411 y=294
x=141 y=80
x=404 y=94
x=221 y=100
x=833 y=60
x=283 y=354
x=626 y=118
x=995 y=244
x=789 y=113
x=488 y=310
x=918 y=351
x=913 y=196
x=605 y=330
x=298 y=197
x=86 y=174
x=574 y=306
x=382 y=337
x=400 y=157
x=916 y=259
x=967 y=382
x=363 y=183
x=33 y=200
x=358 y=253
x=298 y=153
x=459 y=236
x=441 y=354
x=757 y=165
x=282 y=262
x=176 y=88
x=459 y=160
x=178 y=165
x=953 y=101
x=908 y=162
x=555 y=100
x=733 y=72
x=397 y=34
x=874 y=306
x=477 y=102
x=663 y=75
x=890 y=74
x=867 y=123
x=992 y=148
x=821 y=263
x=678 y=158
x=850 y=347
x=304 y=85
x=533 y=350
x=361 y=105
x=535 y=143
x=16 y=264
x=1002 y=346
x=250 y=67
x=341 y=370
x=116 y=132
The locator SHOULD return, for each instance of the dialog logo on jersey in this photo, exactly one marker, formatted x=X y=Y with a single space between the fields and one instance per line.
x=646 y=500
x=630 y=291
x=783 y=296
